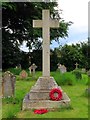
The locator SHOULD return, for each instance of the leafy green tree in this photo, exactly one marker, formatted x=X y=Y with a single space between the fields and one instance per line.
x=85 y=47
x=17 y=26
x=69 y=55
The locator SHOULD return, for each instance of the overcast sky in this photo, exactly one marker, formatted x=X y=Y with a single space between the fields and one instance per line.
x=77 y=12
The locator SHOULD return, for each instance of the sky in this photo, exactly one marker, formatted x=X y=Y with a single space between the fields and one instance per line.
x=77 y=12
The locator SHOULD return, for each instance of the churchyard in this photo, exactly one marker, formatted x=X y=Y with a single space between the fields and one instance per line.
x=75 y=88
x=30 y=93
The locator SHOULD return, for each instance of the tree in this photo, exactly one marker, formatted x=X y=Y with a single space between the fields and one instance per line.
x=17 y=26
x=85 y=47
x=70 y=54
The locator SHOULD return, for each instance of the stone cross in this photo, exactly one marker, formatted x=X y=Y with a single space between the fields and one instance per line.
x=76 y=65
x=45 y=24
x=32 y=68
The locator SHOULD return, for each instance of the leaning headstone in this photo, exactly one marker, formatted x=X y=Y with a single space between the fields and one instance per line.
x=23 y=74
x=62 y=68
x=32 y=69
x=8 y=84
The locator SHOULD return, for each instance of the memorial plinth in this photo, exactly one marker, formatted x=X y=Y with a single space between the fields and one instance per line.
x=38 y=97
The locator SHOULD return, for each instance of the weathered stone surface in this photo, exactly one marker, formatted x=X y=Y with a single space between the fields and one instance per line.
x=8 y=84
x=23 y=74
x=40 y=91
x=32 y=69
x=46 y=23
x=38 y=97
x=48 y=104
x=62 y=68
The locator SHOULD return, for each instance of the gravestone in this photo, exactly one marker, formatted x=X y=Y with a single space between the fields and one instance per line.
x=32 y=69
x=76 y=65
x=23 y=74
x=38 y=97
x=62 y=68
x=8 y=84
x=83 y=70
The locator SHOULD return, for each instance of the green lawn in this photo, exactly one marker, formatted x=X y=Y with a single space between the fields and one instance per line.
x=78 y=108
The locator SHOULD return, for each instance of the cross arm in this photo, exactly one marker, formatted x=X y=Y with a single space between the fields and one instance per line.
x=54 y=23
x=37 y=23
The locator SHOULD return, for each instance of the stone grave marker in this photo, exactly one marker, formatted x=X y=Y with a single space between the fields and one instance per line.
x=32 y=69
x=8 y=84
x=76 y=65
x=83 y=70
x=23 y=74
x=38 y=97
x=62 y=68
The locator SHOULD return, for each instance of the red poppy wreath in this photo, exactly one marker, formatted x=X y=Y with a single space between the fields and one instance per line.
x=40 y=111
x=55 y=94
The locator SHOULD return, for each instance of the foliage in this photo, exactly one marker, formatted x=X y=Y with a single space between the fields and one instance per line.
x=17 y=27
x=53 y=60
x=70 y=54
x=85 y=50
x=77 y=73
x=65 y=78
x=15 y=71
x=36 y=57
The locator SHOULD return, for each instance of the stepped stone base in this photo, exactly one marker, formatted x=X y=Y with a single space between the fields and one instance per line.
x=38 y=97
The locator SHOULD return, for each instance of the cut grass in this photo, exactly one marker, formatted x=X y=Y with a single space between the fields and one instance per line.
x=14 y=104
x=78 y=108
x=79 y=102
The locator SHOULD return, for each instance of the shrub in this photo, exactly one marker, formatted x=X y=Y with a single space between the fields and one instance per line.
x=77 y=73
x=15 y=71
x=65 y=78
x=85 y=79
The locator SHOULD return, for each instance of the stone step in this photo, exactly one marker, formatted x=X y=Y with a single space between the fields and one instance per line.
x=45 y=104
x=40 y=94
x=48 y=104
x=38 y=97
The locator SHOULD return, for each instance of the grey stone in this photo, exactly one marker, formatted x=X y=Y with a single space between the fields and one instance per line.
x=62 y=68
x=76 y=65
x=8 y=84
x=32 y=69
x=38 y=97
